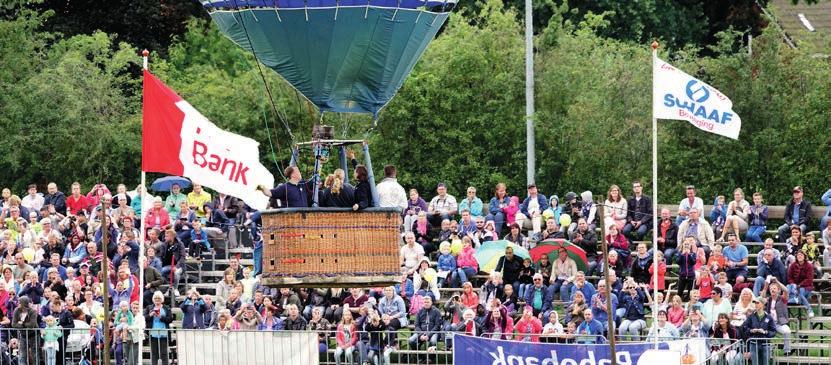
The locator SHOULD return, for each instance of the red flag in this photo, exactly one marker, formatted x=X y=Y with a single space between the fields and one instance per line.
x=160 y=128
x=178 y=140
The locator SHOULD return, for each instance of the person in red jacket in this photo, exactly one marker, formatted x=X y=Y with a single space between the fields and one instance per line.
x=157 y=217
x=529 y=327
x=801 y=281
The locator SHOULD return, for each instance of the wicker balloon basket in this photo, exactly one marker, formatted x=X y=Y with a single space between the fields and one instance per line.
x=330 y=247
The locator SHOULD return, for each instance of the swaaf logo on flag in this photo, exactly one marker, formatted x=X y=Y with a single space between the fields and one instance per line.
x=701 y=90
x=677 y=95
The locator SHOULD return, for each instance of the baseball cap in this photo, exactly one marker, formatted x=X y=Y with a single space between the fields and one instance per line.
x=532 y=185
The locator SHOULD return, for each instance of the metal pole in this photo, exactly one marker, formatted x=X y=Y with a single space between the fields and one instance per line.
x=344 y=164
x=610 y=312
x=371 y=176
x=318 y=148
x=105 y=230
x=529 y=91
x=145 y=54
x=654 y=198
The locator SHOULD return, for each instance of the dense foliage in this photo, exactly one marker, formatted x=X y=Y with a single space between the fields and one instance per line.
x=70 y=105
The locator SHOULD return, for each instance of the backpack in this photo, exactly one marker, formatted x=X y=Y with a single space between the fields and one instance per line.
x=416 y=303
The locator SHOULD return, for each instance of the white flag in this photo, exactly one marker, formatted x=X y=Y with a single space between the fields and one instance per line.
x=677 y=95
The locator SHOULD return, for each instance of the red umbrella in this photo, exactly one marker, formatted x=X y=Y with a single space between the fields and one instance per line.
x=551 y=248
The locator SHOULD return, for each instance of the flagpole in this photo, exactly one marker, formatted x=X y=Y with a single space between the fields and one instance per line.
x=654 y=200
x=144 y=54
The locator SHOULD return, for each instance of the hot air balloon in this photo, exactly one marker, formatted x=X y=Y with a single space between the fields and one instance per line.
x=345 y=56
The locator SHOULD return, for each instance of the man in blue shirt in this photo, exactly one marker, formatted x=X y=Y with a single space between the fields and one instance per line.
x=590 y=330
x=797 y=212
x=736 y=255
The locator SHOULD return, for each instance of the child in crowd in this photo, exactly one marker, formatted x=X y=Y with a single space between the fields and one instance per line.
x=705 y=283
x=717 y=261
x=662 y=270
x=726 y=288
x=446 y=263
x=718 y=215
x=686 y=267
x=50 y=336
x=811 y=250
x=248 y=284
x=695 y=303
x=511 y=210
x=543 y=267
x=676 y=314
x=525 y=278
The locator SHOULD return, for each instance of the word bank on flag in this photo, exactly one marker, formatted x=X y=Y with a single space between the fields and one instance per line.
x=677 y=95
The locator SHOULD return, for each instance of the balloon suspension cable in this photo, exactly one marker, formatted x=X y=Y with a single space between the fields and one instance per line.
x=262 y=76
x=277 y=12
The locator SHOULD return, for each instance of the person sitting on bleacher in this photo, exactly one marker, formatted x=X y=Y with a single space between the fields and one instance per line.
x=582 y=285
x=530 y=211
x=768 y=264
x=663 y=330
x=551 y=231
x=797 y=213
x=564 y=270
x=757 y=217
x=697 y=228
x=689 y=203
x=498 y=325
x=641 y=264
x=415 y=205
x=467 y=226
x=614 y=262
x=294 y=321
x=427 y=326
x=638 y=214
x=721 y=345
x=410 y=254
x=442 y=206
x=586 y=239
x=509 y=300
x=618 y=242
x=466 y=265
x=600 y=305
x=491 y=289
x=634 y=320
x=514 y=235
x=737 y=258
x=812 y=253
x=510 y=266
x=537 y=296
x=574 y=310
x=793 y=245
x=423 y=232
x=801 y=281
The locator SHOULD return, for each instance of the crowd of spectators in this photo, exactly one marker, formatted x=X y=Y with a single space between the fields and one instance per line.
x=54 y=246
